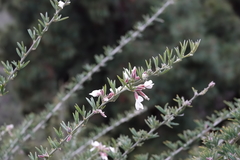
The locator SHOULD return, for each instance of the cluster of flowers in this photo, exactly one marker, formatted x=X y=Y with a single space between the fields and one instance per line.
x=138 y=93
x=102 y=149
x=128 y=77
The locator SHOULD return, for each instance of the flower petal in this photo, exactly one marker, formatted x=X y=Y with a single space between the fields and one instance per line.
x=96 y=93
x=61 y=4
x=138 y=104
x=148 y=84
x=95 y=144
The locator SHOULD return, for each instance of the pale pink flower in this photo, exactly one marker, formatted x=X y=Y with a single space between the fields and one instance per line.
x=96 y=93
x=43 y=156
x=134 y=73
x=111 y=94
x=148 y=84
x=9 y=128
x=140 y=87
x=211 y=84
x=117 y=89
x=103 y=155
x=102 y=149
x=139 y=99
x=100 y=112
x=126 y=75
x=69 y=138
x=130 y=75
x=112 y=149
x=95 y=144
x=144 y=75
x=143 y=94
x=106 y=98
x=138 y=91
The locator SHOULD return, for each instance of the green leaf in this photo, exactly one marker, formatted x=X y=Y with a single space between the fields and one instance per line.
x=20 y=54
x=76 y=117
x=36 y=44
x=62 y=19
x=41 y=22
x=161 y=109
x=148 y=64
x=92 y=102
x=54 y=5
x=24 y=64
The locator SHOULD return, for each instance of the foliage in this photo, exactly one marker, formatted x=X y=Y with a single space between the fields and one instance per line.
x=135 y=80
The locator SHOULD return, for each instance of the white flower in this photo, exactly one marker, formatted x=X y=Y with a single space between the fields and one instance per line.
x=134 y=72
x=105 y=99
x=95 y=144
x=112 y=149
x=144 y=75
x=102 y=149
x=143 y=95
x=96 y=93
x=148 y=84
x=61 y=4
x=9 y=128
x=100 y=112
x=126 y=74
x=138 y=104
x=117 y=89
x=103 y=155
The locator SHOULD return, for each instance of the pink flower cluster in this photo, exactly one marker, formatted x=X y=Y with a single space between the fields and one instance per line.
x=130 y=76
x=102 y=149
x=100 y=92
x=138 y=93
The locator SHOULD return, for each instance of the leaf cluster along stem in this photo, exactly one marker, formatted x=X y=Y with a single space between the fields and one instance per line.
x=102 y=63
x=34 y=45
x=166 y=121
x=73 y=131
x=217 y=122
x=97 y=105
x=16 y=141
x=107 y=129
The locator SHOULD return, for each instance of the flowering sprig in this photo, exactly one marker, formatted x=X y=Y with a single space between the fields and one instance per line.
x=78 y=81
x=134 y=85
x=100 y=131
x=134 y=76
x=221 y=143
x=58 y=6
x=135 y=80
x=138 y=93
x=213 y=142
x=168 y=115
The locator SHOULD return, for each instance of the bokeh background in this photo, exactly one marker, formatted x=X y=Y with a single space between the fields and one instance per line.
x=92 y=24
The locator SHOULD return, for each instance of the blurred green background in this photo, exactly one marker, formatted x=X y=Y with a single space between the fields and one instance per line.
x=92 y=24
